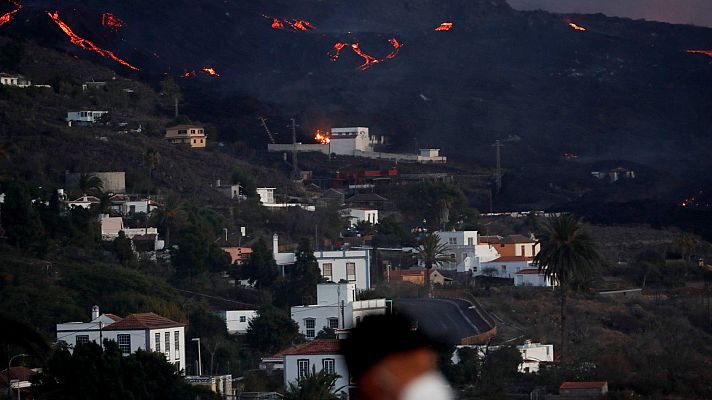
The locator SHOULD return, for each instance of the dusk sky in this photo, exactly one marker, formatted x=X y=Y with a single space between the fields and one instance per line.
x=695 y=12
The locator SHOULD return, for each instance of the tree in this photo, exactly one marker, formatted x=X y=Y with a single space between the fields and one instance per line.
x=272 y=330
x=305 y=275
x=568 y=255
x=313 y=386
x=365 y=228
x=498 y=369
x=649 y=263
x=246 y=182
x=90 y=184
x=153 y=158
x=123 y=249
x=20 y=220
x=687 y=243
x=170 y=89
x=261 y=269
x=432 y=253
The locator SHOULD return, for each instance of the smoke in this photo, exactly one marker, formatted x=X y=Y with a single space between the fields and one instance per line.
x=691 y=12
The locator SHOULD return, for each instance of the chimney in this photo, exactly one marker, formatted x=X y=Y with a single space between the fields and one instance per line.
x=217 y=183
x=275 y=243
x=94 y=313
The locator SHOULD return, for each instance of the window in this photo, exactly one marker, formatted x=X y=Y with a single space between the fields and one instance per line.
x=504 y=268
x=124 y=343
x=176 y=339
x=524 y=252
x=452 y=241
x=168 y=345
x=158 y=342
x=333 y=323
x=82 y=339
x=470 y=241
x=327 y=271
x=350 y=271
x=195 y=141
x=310 y=323
x=328 y=365
x=302 y=368
x=132 y=209
x=201 y=140
x=243 y=318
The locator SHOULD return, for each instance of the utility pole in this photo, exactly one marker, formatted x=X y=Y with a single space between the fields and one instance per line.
x=295 y=169
x=175 y=99
x=498 y=173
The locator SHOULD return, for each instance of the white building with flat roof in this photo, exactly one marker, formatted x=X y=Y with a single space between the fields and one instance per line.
x=352 y=266
x=14 y=80
x=356 y=215
x=464 y=251
x=336 y=308
x=237 y=321
x=146 y=331
x=88 y=117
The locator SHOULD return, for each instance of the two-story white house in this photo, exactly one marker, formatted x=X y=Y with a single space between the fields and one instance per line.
x=353 y=266
x=465 y=252
x=336 y=308
x=316 y=355
x=237 y=321
x=85 y=118
x=146 y=331
x=348 y=141
x=356 y=215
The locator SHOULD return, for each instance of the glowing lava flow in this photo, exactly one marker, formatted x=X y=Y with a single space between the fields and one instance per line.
x=210 y=71
x=295 y=24
x=576 y=27
x=86 y=44
x=111 y=21
x=322 y=138
x=705 y=52
x=445 y=26
x=188 y=74
x=369 y=61
x=7 y=17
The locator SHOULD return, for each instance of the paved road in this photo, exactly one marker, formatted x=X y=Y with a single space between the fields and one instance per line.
x=449 y=320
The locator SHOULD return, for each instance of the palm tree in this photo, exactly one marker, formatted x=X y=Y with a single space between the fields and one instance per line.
x=313 y=386
x=432 y=253
x=568 y=255
x=153 y=158
x=90 y=184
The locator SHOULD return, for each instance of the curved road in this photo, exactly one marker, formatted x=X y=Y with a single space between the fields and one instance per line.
x=448 y=320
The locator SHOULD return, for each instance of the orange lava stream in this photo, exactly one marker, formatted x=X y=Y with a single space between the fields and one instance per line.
x=295 y=24
x=334 y=54
x=576 y=27
x=396 y=48
x=7 y=17
x=210 y=71
x=188 y=74
x=86 y=44
x=445 y=26
x=111 y=21
x=705 y=52
x=369 y=61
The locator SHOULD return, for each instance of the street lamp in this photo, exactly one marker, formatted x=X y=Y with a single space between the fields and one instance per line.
x=9 y=381
x=200 y=360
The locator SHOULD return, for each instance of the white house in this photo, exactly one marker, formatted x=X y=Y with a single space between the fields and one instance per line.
x=85 y=117
x=465 y=251
x=14 y=80
x=147 y=331
x=126 y=204
x=315 y=355
x=356 y=215
x=266 y=195
x=237 y=321
x=336 y=308
x=111 y=226
x=83 y=201
x=353 y=266
x=345 y=141
x=532 y=277
x=505 y=266
x=233 y=191
x=533 y=354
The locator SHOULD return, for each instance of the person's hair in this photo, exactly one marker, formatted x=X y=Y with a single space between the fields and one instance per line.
x=377 y=337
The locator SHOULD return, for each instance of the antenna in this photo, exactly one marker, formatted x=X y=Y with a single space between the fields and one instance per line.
x=498 y=172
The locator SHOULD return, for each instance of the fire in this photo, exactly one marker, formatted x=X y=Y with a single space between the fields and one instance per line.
x=210 y=71
x=86 y=44
x=445 y=26
x=295 y=24
x=188 y=74
x=369 y=61
x=708 y=53
x=576 y=27
x=7 y=17
x=322 y=138
x=111 y=21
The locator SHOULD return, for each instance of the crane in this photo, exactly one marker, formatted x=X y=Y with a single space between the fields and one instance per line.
x=269 y=133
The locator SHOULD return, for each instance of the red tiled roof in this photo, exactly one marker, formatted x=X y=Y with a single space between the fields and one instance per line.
x=511 y=259
x=316 y=346
x=530 y=271
x=583 y=385
x=21 y=373
x=114 y=317
x=143 y=321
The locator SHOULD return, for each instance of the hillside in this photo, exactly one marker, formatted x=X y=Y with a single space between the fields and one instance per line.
x=620 y=92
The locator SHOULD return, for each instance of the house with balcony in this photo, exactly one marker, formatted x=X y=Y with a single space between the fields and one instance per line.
x=465 y=251
x=315 y=355
x=145 y=331
x=85 y=118
x=192 y=135
x=336 y=308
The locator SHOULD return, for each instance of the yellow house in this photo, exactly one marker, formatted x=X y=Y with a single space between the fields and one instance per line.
x=193 y=135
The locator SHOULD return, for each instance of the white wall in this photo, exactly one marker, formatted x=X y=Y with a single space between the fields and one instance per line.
x=533 y=354
x=237 y=321
x=339 y=259
x=321 y=314
x=356 y=138
x=85 y=116
x=504 y=269
x=291 y=368
x=266 y=195
x=357 y=215
x=531 y=280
